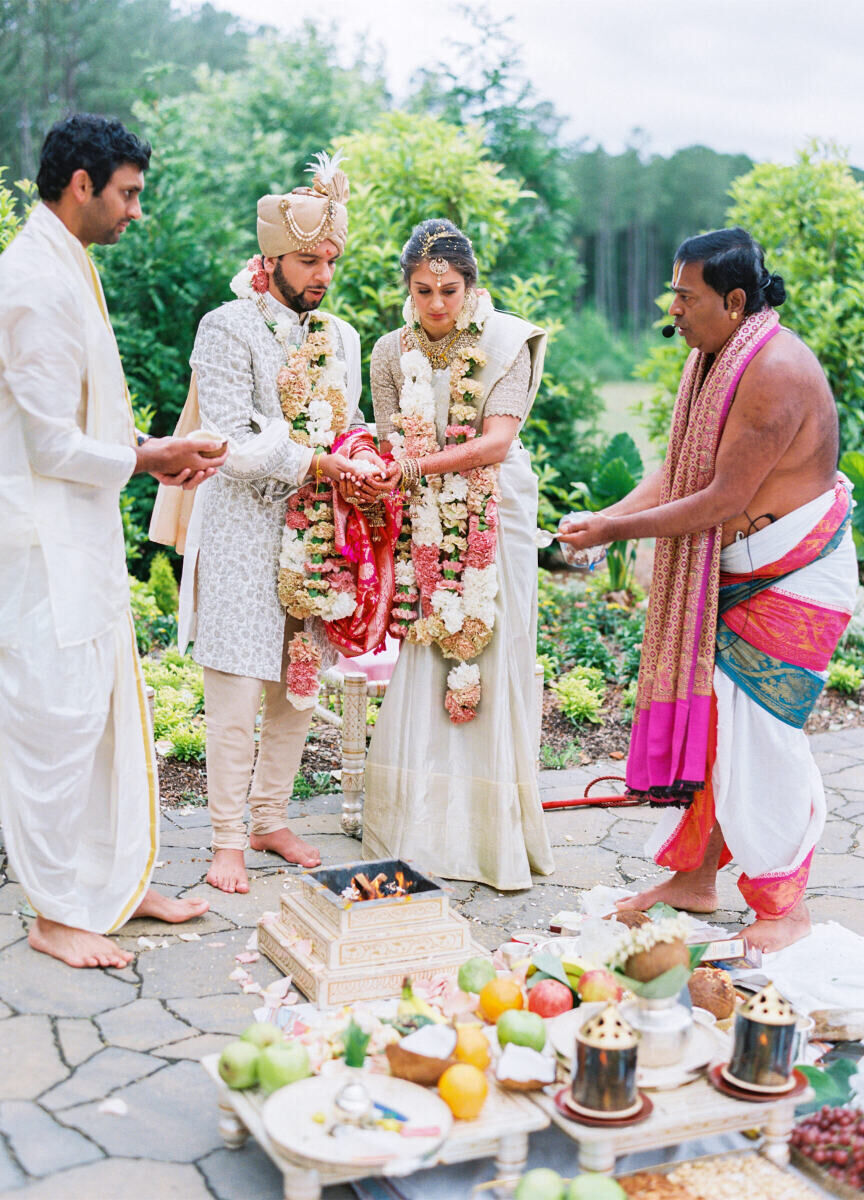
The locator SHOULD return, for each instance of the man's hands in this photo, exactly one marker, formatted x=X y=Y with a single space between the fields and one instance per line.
x=179 y=462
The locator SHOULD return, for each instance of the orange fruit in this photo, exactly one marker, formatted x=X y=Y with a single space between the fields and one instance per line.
x=498 y=996
x=463 y=1089
x=472 y=1046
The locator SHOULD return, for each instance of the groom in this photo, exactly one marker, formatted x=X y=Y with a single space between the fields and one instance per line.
x=232 y=556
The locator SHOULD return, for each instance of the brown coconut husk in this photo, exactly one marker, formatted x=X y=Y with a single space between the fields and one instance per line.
x=417 y=1068
x=712 y=988
x=648 y=964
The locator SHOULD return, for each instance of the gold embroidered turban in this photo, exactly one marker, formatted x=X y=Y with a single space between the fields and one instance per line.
x=301 y=219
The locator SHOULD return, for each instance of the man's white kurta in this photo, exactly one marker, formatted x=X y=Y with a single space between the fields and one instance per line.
x=78 y=793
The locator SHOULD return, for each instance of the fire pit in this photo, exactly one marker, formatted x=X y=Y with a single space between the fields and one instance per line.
x=339 y=946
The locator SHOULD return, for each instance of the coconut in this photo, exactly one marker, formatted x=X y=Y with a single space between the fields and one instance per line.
x=521 y=1069
x=423 y=1056
x=712 y=988
x=205 y=435
x=663 y=956
x=629 y=917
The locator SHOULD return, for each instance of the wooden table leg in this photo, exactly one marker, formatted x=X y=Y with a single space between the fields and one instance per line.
x=510 y=1159
x=234 y=1133
x=353 y=752
x=597 y=1156
x=302 y=1185
x=778 y=1127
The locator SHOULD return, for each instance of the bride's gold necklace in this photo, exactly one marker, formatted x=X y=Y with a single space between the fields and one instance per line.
x=440 y=353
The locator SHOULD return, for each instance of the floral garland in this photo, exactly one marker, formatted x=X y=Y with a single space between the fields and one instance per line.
x=313 y=580
x=445 y=556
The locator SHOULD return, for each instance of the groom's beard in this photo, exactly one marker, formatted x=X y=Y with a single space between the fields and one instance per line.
x=295 y=300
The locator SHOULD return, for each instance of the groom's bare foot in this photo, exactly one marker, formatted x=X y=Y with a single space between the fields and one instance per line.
x=769 y=936
x=76 y=947
x=165 y=908
x=292 y=848
x=228 y=871
x=682 y=891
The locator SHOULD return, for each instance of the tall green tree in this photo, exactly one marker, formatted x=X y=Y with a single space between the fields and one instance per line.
x=809 y=219
x=62 y=56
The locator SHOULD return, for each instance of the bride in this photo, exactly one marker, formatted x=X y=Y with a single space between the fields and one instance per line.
x=451 y=780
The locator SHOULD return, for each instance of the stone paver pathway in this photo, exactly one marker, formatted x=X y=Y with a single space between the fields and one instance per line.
x=70 y=1039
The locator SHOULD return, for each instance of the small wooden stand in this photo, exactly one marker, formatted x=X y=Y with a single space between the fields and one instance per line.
x=695 y=1110
x=500 y=1132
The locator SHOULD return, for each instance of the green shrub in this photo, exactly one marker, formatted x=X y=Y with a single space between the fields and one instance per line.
x=163 y=583
x=551 y=666
x=188 y=743
x=581 y=693
x=577 y=626
x=178 y=684
x=845 y=677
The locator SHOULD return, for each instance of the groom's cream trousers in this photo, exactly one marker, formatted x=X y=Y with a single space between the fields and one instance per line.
x=231 y=704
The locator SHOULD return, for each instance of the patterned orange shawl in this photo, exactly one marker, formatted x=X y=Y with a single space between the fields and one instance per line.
x=669 y=741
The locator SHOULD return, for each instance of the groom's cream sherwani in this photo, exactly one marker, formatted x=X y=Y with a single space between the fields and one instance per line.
x=78 y=791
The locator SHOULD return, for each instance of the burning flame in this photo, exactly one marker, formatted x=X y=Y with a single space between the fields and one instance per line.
x=379 y=888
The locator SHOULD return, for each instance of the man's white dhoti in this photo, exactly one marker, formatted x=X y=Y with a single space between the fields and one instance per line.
x=79 y=801
x=78 y=794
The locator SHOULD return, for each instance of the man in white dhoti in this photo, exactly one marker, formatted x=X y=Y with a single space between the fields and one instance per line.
x=78 y=790
x=257 y=363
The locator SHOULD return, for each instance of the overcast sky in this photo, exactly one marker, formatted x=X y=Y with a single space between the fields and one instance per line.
x=752 y=76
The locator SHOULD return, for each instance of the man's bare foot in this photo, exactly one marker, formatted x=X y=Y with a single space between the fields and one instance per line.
x=769 y=936
x=228 y=871
x=76 y=947
x=292 y=848
x=682 y=891
x=165 y=908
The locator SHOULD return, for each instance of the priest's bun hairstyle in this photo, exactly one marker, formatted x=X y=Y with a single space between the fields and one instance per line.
x=436 y=239
x=731 y=258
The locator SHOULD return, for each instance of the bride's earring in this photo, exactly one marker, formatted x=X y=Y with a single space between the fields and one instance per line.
x=409 y=312
x=466 y=313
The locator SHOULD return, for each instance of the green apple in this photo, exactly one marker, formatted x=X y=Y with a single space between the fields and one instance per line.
x=540 y=1184
x=522 y=1028
x=262 y=1033
x=475 y=974
x=595 y=1187
x=281 y=1064
x=238 y=1064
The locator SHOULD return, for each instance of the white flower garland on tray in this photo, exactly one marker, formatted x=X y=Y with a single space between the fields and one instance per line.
x=445 y=557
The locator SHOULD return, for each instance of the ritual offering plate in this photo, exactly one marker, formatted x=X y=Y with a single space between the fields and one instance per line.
x=575 y=1112
x=724 y=1082
x=403 y=1121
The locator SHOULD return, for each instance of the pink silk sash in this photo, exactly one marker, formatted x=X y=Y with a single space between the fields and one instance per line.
x=668 y=744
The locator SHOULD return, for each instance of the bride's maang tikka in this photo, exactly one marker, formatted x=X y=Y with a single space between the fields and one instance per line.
x=438 y=265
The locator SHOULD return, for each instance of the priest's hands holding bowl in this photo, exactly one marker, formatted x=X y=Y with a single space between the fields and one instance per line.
x=181 y=462
x=582 y=530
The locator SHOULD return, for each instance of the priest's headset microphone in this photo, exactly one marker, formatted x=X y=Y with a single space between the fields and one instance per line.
x=669 y=331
